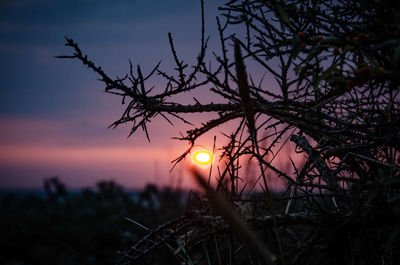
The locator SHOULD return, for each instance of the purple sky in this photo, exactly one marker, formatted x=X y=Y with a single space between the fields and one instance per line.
x=54 y=114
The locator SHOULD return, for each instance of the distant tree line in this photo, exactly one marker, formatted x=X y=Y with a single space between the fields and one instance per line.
x=86 y=227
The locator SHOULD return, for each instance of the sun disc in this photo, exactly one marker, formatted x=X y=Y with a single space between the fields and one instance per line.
x=202 y=157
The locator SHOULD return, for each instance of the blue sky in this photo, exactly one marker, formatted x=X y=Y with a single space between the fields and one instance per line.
x=32 y=32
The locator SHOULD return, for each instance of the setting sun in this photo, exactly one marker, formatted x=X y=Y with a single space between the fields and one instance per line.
x=202 y=157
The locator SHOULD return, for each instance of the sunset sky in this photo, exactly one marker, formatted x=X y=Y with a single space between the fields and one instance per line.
x=54 y=113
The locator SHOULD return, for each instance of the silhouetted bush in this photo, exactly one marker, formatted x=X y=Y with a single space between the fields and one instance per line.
x=324 y=123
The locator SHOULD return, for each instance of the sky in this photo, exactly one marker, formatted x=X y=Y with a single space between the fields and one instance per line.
x=54 y=113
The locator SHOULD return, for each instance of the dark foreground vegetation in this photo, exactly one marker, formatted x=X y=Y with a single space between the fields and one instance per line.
x=87 y=227
x=92 y=226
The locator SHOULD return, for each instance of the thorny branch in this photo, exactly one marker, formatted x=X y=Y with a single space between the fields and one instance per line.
x=328 y=79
